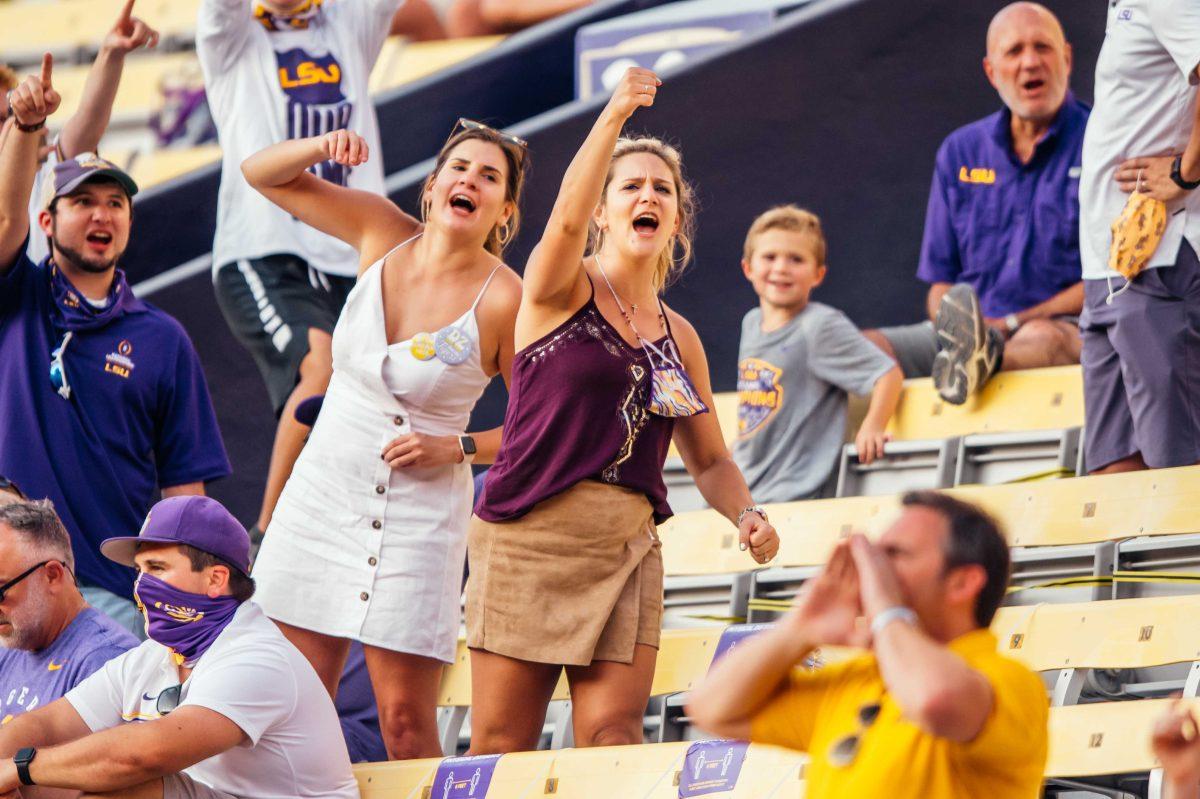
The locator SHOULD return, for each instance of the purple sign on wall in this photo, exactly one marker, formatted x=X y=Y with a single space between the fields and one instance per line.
x=733 y=635
x=711 y=767
x=464 y=777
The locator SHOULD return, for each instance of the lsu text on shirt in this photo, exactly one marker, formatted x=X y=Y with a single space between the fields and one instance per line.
x=266 y=87
x=1146 y=88
x=896 y=758
x=252 y=676
x=1009 y=230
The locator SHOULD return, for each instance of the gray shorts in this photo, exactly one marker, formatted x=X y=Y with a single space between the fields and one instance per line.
x=915 y=347
x=1141 y=367
x=181 y=786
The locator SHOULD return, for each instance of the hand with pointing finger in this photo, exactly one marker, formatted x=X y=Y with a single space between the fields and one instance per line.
x=637 y=89
x=35 y=99
x=129 y=33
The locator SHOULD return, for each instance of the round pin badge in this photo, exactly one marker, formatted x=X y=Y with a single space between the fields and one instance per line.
x=422 y=347
x=453 y=346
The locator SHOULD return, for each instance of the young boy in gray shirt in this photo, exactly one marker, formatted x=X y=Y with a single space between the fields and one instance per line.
x=797 y=362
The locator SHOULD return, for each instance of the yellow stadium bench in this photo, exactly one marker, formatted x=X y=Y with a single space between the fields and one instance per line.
x=1129 y=634
x=1022 y=424
x=403 y=62
x=649 y=771
x=1077 y=527
x=683 y=658
x=159 y=166
x=1032 y=399
x=139 y=95
x=73 y=29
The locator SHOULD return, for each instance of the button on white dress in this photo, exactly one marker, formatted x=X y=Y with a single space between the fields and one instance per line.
x=356 y=549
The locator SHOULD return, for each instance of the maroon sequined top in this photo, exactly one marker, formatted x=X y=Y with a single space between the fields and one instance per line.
x=577 y=411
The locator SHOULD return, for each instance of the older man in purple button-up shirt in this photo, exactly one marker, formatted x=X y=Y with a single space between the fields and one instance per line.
x=1001 y=245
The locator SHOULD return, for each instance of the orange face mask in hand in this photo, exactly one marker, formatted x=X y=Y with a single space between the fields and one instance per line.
x=1136 y=234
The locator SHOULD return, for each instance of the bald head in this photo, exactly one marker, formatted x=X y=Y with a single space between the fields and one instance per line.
x=1024 y=15
x=1028 y=60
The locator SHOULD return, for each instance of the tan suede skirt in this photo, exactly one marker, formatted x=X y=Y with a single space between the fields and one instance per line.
x=577 y=579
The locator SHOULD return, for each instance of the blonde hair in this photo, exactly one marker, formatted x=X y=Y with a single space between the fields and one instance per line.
x=792 y=219
x=9 y=79
x=514 y=185
x=675 y=256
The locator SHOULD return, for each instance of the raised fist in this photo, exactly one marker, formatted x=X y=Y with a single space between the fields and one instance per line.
x=637 y=89
x=345 y=147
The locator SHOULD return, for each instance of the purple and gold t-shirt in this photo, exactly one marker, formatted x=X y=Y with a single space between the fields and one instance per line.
x=29 y=680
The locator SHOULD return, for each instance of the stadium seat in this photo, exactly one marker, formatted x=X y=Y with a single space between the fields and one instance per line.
x=1023 y=424
x=159 y=166
x=1154 y=641
x=402 y=62
x=139 y=95
x=649 y=771
x=1105 y=748
x=1081 y=528
x=74 y=30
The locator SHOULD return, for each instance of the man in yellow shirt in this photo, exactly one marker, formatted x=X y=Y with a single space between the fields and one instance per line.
x=932 y=711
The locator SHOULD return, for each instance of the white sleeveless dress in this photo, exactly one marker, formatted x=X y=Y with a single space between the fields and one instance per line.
x=357 y=549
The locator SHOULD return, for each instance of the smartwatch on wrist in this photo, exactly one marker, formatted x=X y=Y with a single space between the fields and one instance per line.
x=22 y=760
x=467 y=444
x=1177 y=175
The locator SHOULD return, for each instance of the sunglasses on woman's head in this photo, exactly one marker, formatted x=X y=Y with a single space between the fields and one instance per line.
x=470 y=124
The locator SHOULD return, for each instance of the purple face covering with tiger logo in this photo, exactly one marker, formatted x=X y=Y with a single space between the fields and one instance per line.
x=185 y=623
x=671 y=391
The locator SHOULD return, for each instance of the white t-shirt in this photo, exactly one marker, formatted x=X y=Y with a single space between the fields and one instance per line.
x=38 y=247
x=266 y=87
x=1145 y=105
x=254 y=677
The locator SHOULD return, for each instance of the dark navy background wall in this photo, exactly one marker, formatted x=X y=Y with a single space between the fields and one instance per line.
x=839 y=109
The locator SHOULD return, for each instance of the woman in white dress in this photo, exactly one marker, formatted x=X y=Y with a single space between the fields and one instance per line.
x=369 y=538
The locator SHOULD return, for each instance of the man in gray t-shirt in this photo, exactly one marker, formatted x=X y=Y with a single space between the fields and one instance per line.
x=792 y=396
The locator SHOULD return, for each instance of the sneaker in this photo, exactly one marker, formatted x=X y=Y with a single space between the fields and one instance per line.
x=970 y=352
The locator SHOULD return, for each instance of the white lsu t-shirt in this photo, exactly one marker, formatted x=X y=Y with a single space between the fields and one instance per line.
x=265 y=87
x=255 y=678
x=1145 y=106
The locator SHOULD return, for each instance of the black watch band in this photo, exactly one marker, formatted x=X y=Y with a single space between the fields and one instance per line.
x=1177 y=175
x=22 y=760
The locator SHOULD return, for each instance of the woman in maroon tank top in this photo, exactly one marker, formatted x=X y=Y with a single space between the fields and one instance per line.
x=566 y=567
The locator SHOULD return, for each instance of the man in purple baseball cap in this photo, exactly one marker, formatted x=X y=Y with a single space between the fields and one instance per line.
x=103 y=404
x=248 y=715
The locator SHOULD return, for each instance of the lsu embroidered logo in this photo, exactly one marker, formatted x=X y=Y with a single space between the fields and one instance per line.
x=180 y=613
x=119 y=363
x=316 y=104
x=759 y=395
x=976 y=175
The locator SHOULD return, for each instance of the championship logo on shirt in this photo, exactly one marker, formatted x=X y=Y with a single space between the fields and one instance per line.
x=119 y=363
x=759 y=395
x=316 y=105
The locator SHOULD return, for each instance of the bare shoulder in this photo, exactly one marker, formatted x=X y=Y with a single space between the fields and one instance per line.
x=503 y=295
x=682 y=330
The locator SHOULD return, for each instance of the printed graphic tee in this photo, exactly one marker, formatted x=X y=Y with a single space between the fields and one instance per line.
x=794 y=382
x=29 y=680
x=265 y=87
